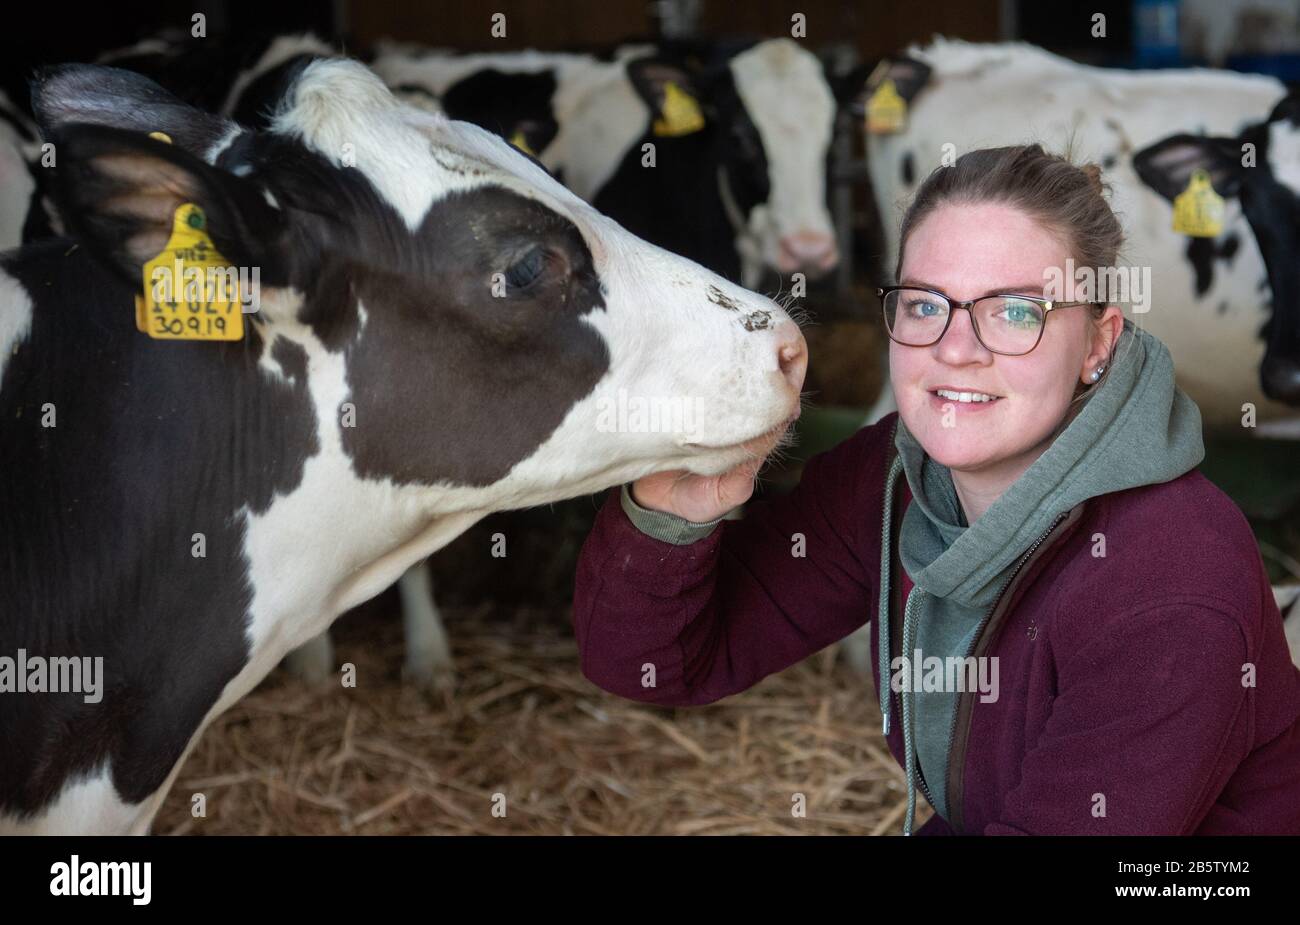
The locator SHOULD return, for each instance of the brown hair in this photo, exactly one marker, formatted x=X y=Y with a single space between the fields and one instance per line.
x=1068 y=199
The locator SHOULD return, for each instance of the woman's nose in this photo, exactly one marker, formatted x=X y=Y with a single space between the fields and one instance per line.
x=959 y=342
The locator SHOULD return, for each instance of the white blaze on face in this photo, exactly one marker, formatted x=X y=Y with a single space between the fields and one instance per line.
x=679 y=337
x=785 y=91
x=674 y=330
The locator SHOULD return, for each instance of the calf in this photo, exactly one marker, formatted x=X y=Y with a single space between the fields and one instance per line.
x=1266 y=189
x=442 y=332
x=740 y=189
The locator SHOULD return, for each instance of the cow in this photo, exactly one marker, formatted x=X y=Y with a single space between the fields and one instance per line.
x=1258 y=170
x=743 y=193
x=1225 y=306
x=738 y=183
x=440 y=331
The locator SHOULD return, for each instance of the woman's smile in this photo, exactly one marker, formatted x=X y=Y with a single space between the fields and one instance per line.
x=943 y=396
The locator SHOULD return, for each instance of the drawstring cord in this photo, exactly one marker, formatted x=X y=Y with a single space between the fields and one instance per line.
x=909 y=638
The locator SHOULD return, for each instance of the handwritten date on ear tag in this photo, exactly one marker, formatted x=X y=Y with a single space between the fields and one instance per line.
x=191 y=292
x=1198 y=210
x=680 y=113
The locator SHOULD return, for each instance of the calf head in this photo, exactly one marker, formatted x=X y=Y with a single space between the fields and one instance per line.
x=493 y=335
x=773 y=113
x=1261 y=168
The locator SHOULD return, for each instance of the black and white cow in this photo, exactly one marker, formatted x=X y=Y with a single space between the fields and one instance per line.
x=384 y=398
x=1210 y=299
x=1260 y=170
x=744 y=193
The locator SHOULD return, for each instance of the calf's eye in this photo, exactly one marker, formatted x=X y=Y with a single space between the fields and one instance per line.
x=527 y=269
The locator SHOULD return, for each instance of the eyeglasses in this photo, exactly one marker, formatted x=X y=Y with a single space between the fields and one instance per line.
x=1011 y=325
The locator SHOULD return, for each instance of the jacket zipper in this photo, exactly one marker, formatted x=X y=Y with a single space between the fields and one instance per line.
x=952 y=728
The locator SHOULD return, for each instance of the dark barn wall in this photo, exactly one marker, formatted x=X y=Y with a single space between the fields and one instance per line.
x=876 y=27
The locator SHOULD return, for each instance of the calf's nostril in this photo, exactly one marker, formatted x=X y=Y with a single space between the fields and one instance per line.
x=792 y=354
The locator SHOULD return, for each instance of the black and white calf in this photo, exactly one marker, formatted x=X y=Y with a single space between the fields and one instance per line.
x=1260 y=171
x=383 y=399
x=744 y=192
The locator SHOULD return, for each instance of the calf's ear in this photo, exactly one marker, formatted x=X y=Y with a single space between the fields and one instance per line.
x=70 y=94
x=909 y=76
x=1167 y=165
x=665 y=86
x=118 y=191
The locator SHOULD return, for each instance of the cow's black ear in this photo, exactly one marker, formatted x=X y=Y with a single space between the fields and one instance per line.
x=94 y=93
x=665 y=84
x=908 y=74
x=118 y=191
x=1167 y=165
x=1287 y=109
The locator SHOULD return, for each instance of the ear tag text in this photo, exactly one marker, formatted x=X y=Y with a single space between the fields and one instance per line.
x=191 y=292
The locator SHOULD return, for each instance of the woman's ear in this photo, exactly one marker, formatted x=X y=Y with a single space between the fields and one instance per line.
x=1105 y=331
x=118 y=191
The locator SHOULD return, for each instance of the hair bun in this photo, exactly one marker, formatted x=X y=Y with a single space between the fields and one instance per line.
x=1093 y=173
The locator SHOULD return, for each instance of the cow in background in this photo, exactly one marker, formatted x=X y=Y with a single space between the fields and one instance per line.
x=741 y=140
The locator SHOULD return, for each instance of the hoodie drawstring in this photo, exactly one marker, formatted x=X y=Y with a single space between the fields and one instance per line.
x=909 y=637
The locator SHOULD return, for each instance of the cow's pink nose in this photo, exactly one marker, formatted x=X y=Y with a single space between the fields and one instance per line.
x=792 y=354
x=809 y=251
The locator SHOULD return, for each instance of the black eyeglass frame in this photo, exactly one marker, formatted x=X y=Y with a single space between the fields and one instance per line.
x=1047 y=305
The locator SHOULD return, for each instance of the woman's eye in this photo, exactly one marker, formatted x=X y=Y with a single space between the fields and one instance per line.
x=526 y=270
x=920 y=308
x=1021 y=314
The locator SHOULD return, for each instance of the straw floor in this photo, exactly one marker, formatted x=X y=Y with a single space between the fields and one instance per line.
x=522 y=722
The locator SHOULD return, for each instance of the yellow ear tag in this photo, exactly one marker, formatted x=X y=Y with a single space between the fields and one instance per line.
x=190 y=291
x=1198 y=210
x=886 y=110
x=680 y=113
x=161 y=136
x=520 y=142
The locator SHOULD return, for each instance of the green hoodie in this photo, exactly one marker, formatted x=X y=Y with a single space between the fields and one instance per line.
x=1135 y=428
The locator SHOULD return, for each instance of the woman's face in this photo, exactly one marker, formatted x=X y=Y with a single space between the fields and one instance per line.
x=968 y=251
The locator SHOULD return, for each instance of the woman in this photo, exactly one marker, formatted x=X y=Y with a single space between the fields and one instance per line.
x=1051 y=526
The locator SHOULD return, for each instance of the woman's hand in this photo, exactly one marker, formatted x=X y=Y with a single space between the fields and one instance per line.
x=698 y=498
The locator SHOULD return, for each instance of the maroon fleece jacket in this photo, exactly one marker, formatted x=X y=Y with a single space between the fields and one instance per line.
x=1149 y=691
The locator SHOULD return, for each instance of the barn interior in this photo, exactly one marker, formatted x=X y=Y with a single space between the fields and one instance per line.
x=372 y=746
